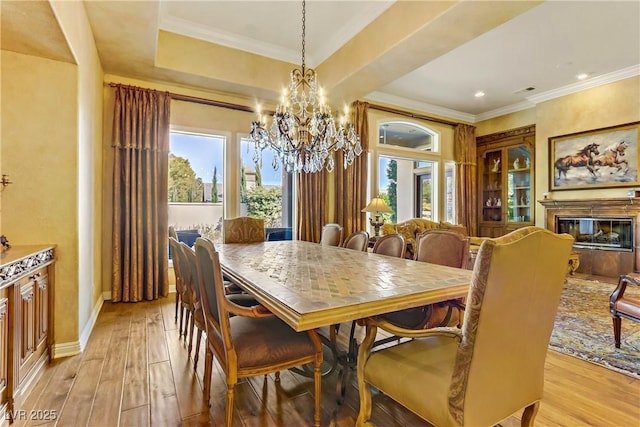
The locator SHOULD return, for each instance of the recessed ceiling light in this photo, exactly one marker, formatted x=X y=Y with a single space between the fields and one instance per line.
x=582 y=76
x=479 y=94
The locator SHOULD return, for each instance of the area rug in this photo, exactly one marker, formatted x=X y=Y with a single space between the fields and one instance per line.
x=583 y=327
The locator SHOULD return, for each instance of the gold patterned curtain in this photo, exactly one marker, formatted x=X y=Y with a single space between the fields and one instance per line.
x=312 y=211
x=466 y=171
x=351 y=183
x=140 y=210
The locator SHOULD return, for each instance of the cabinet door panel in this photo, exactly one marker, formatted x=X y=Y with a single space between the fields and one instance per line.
x=26 y=327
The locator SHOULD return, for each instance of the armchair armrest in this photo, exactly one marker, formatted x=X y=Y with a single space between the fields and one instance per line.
x=411 y=333
x=254 y=311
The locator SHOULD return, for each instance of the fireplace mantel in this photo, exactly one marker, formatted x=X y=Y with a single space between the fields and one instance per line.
x=610 y=263
x=607 y=204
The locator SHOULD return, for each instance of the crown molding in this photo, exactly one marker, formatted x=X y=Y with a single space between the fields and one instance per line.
x=228 y=39
x=524 y=105
x=625 y=73
x=420 y=106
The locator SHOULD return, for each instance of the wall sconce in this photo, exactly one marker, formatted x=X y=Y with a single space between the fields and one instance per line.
x=4 y=180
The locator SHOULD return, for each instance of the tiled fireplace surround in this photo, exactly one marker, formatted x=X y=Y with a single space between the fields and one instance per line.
x=604 y=260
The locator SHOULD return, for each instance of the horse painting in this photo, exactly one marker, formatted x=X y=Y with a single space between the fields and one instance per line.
x=613 y=156
x=583 y=158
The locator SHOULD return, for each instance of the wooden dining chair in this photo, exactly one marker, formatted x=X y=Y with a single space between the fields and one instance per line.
x=331 y=235
x=243 y=229
x=390 y=245
x=251 y=342
x=180 y=306
x=357 y=241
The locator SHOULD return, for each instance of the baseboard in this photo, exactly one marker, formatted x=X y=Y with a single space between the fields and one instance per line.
x=66 y=349
x=106 y=295
x=76 y=347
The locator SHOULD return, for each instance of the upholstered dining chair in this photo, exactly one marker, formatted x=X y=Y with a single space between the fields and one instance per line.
x=175 y=248
x=492 y=367
x=390 y=245
x=188 y=269
x=331 y=235
x=357 y=241
x=243 y=229
x=253 y=341
x=443 y=247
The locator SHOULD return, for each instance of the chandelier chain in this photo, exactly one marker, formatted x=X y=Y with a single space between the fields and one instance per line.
x=304 y=26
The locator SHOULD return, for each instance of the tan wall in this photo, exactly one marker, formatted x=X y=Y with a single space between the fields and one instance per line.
x=603 y=106
x=40 y=154
x=75 y=25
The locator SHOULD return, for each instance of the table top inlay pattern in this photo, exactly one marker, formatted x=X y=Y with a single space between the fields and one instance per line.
x=311 y=285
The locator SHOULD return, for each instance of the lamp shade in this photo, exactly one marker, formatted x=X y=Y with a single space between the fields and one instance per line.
x=377 y=205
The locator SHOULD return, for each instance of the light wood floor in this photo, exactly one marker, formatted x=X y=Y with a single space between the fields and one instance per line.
x=136 y=372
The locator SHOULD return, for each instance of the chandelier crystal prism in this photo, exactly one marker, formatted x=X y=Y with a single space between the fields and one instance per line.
x=303 y=132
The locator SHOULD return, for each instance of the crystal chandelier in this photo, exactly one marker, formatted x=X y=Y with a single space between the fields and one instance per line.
x=303 y=131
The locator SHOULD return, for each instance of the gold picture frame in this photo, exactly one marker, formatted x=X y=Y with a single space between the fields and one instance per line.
x=599 y=158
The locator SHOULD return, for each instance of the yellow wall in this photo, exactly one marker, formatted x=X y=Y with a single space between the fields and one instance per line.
x=51 y=129
x=75 y=26
x=607 y=105
x=40 y=154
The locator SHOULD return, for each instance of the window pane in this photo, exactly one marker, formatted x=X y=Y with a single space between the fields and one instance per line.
x=266 y=193
x=450 y=192
x=425 y=179
x=196 y=184
x=406 y=135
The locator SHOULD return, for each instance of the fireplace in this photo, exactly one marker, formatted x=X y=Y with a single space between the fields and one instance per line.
x=606 y=232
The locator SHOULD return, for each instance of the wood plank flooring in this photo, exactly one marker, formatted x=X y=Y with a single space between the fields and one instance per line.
x=135 y=371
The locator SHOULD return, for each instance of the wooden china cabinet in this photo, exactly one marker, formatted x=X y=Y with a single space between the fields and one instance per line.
x=505 y=181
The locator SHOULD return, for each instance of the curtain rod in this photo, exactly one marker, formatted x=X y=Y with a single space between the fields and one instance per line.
x=197 y=100
x=412 y=115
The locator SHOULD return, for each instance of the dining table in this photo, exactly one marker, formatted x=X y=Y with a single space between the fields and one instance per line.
x=309 y=285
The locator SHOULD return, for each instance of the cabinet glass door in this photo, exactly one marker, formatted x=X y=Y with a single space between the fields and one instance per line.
x=492 y=187
x=519 y=184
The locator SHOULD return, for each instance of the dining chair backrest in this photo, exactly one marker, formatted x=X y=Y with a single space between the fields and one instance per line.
x=390 y=245
x=357 y=241
x=243 y=229
x=172 y=232
x=331 y=235
x=191 y=274
x=442 y=247
x=178 y=262
x=209 y=280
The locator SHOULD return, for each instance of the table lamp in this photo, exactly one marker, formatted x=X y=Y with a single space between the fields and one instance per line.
x=377 y=206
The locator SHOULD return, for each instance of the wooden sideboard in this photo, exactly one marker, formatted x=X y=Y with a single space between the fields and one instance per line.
x=26 y=320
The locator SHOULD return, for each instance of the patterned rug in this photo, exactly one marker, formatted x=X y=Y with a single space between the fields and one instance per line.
x=583 y=327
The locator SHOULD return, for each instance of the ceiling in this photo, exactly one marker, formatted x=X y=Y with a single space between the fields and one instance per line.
x=427 y=56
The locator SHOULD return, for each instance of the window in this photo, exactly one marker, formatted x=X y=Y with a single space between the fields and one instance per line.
x=266 y=192
x=196 y=177
x=413 y=178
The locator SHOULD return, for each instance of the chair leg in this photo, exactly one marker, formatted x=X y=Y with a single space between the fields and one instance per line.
x=181 y=318
x=365 y=393
x=229 y=411
x=529 y=414
x=617 y=326
x=317 y=384
x=206 y=379
x=191 y=325
x=177 y=305
x=196 y=356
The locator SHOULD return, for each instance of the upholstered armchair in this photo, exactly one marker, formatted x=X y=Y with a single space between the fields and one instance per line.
x=493 y=366
x=621 y=305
